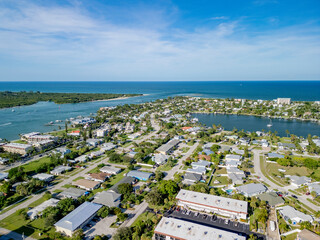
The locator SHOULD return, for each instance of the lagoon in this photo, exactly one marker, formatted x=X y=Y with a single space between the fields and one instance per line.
x=253 y=123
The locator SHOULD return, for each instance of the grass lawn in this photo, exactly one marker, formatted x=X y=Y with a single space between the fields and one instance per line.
x=292 y=236
x=14 y=205
x=78 y=178
x=266 y=174
x=32 y=166
x=223 y=181
x=221 y=171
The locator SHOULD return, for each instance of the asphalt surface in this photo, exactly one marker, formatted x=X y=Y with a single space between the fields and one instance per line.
x=217 y=222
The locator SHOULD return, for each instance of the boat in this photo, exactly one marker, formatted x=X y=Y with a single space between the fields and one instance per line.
x=270 y=124
x=13 y=110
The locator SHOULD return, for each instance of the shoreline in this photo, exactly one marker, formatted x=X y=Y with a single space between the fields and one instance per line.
x=262 y=116
x=102 y=100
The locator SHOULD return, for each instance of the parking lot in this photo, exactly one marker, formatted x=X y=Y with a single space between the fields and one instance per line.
x=214 y=221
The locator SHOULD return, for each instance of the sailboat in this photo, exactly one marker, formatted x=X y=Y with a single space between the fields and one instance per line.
x=270 y=124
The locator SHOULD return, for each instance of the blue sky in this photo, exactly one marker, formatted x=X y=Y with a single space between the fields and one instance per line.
x=117 y=40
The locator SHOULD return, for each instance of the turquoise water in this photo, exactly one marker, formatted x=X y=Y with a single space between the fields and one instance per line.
x=33 y=118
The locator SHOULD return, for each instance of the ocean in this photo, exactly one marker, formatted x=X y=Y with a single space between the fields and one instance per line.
x=34 y=117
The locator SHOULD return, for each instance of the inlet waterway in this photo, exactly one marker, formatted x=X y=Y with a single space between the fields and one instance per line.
x=253 y=123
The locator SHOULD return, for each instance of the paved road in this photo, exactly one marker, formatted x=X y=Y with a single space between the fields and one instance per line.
x=175 y=169
x=55 y=187
x=257 y=169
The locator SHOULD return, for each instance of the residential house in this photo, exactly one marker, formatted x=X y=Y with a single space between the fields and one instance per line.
x=98 y=177
x=298 y=181
x=159 y=158
x=144 y=176
x=36 y=211
x=60 y=169
x=306 y=234
x=72 y=192
x=87 y=184
x=296 y=217
x=44 y=177
x=110 y=170
x=108 y=198
x=251 y=189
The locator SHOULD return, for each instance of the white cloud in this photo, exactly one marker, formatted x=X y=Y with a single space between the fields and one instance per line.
x=67 y=42
x=219 y=18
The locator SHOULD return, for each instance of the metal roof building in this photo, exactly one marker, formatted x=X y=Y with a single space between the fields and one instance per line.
x=171 y=228
x=78 y=218
x=210 y=203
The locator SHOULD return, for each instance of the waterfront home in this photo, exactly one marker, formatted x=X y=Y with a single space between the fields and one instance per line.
x=296 y=217
x=26 y=136
x=39 y=138
x=251 y=189
x=19 y=148
x=78 y=218
x=286 y=146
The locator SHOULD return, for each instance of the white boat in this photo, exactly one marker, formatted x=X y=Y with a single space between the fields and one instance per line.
x=270 y=124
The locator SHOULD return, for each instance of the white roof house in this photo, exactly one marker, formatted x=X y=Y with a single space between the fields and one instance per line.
x=72 y=193
x=34 y=212
x=173 y=228
x=77 y=218
x=3 y=175
x=107 y=198
x=210 y=203
x=294 y=215
x=60 y=169
x=110 y=170
x=233 y=157
x=198 y=170
x=200 y=163
x=298 y=181
x=82 y=158
x=314 y=187
x=160 y=158
x=251 y=189
x=44 y=177
x=232 y=163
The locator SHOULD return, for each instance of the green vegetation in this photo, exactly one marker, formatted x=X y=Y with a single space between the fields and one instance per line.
x=13 y=99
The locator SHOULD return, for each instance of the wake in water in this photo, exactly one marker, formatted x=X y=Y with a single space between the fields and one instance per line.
x=5 y=124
